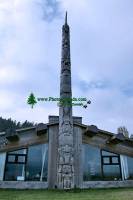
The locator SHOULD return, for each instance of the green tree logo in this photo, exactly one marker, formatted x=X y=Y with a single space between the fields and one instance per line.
x=31 y=100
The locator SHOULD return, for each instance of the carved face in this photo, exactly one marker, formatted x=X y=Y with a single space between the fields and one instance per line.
x=67 y=148
x=67 y=169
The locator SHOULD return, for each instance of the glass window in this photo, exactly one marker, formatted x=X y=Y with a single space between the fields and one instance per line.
x=130 y=167
x=111 y=172
x=110 y=160
x=100 y=165
x=11 y=158
x=16 y=158
x=13 y=168
x=21 y=159
x=20 y=151
x=36 y=168
x=107 y=153
x=13 y=171
x=91 y=163
x=115 y=160
x=106 y=160
x=27 y=164
x=111 y=167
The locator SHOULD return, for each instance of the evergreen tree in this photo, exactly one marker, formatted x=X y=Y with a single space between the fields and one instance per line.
x=31 y=100
x=27 y=124
x=9 y=123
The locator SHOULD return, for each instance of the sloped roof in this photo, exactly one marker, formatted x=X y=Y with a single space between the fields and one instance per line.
x=90 y=135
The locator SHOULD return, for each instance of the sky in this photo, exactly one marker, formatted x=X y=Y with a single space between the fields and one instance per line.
x=101 y=59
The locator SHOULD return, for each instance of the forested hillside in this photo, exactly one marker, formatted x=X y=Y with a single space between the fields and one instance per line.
x=9 y=123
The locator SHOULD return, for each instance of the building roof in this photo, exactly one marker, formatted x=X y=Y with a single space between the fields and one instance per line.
x=92 y=135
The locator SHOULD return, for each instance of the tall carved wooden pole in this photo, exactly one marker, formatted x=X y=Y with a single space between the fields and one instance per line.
x=65 y=161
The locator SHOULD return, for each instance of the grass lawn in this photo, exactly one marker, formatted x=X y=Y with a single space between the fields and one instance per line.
x=88 y=194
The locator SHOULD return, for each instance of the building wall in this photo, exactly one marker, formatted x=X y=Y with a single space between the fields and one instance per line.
x=52 y=156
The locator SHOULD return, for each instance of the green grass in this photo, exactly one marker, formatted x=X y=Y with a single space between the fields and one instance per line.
x=88 y=194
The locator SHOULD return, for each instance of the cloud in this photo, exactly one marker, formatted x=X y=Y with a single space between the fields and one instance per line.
x=50 y=9
x=101 y=54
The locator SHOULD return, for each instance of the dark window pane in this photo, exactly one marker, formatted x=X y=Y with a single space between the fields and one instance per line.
x=11 y=158
x=36 y=161
x=130 y=167
x=20 y=151
x=107 y=153
x=111 y=172
x=111 y=166
x=13 y=172
x=106 y=160
x=21 y=159
x=35 y=169
x=115 y=160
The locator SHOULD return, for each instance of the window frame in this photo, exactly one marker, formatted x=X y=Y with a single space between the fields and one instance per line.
x=110 y=162
x=16 y=162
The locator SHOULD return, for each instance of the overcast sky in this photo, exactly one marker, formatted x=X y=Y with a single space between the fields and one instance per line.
x=101 y=55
